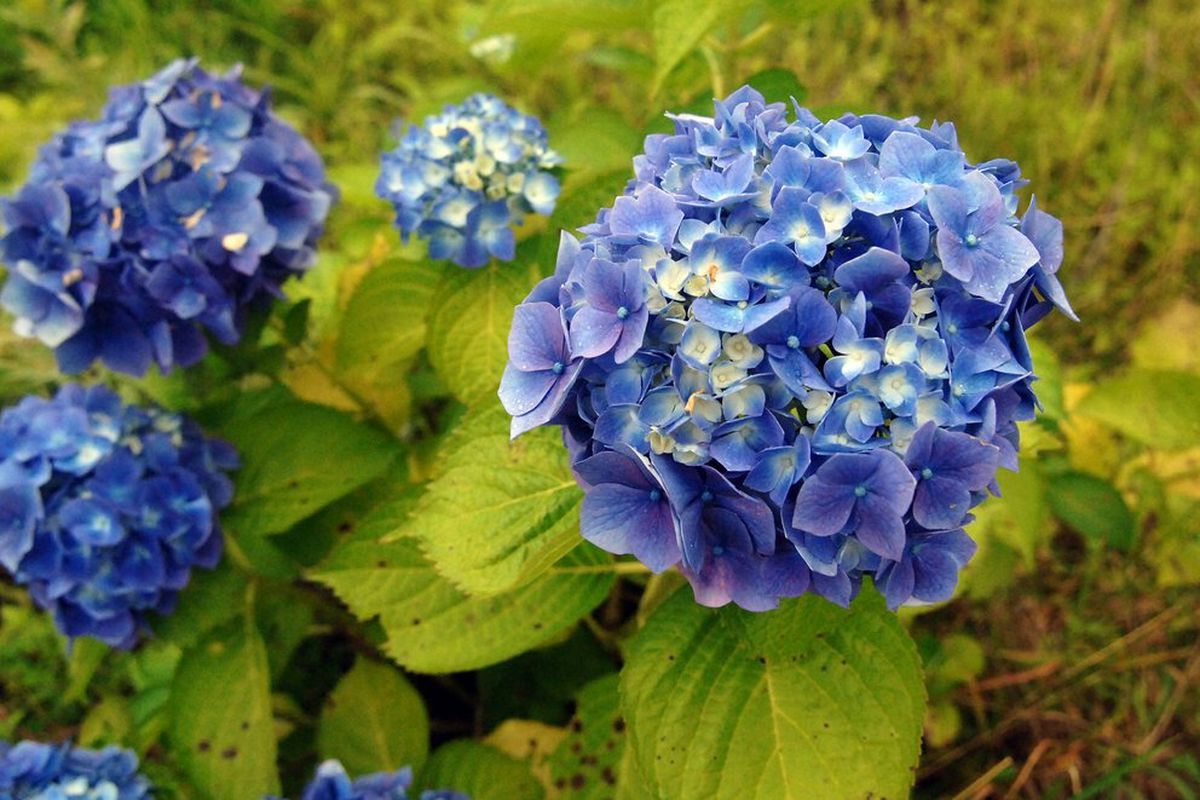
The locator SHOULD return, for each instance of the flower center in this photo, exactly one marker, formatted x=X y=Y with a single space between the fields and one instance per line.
x=926 y=473
x=718 y=550
x=558 y=367
x=793 y=342
x=706 y=497
x=622 y=312
x=655 y=495
x=860 y=491
x=972 y=240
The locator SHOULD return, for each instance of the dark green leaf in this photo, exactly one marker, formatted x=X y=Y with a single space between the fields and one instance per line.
x=778 y=85
x=1093 y=507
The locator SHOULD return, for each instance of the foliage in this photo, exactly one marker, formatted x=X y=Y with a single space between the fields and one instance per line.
x=387 y=542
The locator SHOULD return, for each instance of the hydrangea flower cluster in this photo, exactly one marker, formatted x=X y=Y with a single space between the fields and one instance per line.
x=105 y=508
x=465 y=177
x=33 y=771
x=792 y=353
x=186 y=204
x=332 y=783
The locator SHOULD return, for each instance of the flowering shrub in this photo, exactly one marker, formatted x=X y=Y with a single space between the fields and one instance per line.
x=332 y=783
x=187 y=203
x=105 y=508
x=33 y=771
x=793 y=353
x=785 y=364
x=465 y=177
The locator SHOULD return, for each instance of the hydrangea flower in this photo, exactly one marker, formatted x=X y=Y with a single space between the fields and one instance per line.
x=793 y=353
x=105 y=508
x=332 y=783
x=34 y=771
x=465 y=177
x=185 y=205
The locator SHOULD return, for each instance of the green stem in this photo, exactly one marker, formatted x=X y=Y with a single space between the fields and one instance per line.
x=616 y=567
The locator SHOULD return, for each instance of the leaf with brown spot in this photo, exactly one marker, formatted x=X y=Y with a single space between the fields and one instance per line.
x=220 y=719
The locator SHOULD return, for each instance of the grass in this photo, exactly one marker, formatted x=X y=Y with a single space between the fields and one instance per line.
x=1093 y=698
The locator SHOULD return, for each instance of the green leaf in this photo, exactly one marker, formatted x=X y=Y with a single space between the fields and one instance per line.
x=468 y=330
x=107 y=721
x=296 y=458
x=592 y=762
x=500 y=511
x=432 y=627
x=558 y=17
x=778 y=85
x=383 y=326
x=954 y=660
x=220 y=716
x=374 y=721
x=284 y=615
x=594 y=141
x=811 y=700
x=583 y=196
x=1156 y=408
x=1093 y=507
x=943 y=723
x=295 y=321
x=1049 y=385
x=1167 y=339
x=540 y=685
x=83 y=661
x=1020 y=515
x=479 y=771
x=212 y=599
x=679 y=26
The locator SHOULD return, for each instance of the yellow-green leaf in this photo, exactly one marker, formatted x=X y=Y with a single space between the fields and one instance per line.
x=374 y=721
x=808 y=701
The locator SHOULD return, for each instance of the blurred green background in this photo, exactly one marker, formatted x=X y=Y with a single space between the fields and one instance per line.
x=1070 y=666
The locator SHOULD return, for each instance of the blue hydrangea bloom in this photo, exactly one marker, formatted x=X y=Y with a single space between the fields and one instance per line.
x=34 y=771
x=332 y=783
x=106 y=507
x=184 y=206
x=463 y=179
x=792 y=354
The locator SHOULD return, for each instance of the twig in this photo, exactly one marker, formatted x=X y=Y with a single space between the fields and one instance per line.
x=984 y=780
x=1143 y=630
x=1017 y=678
x=1026 y=772
x=1189 y=677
